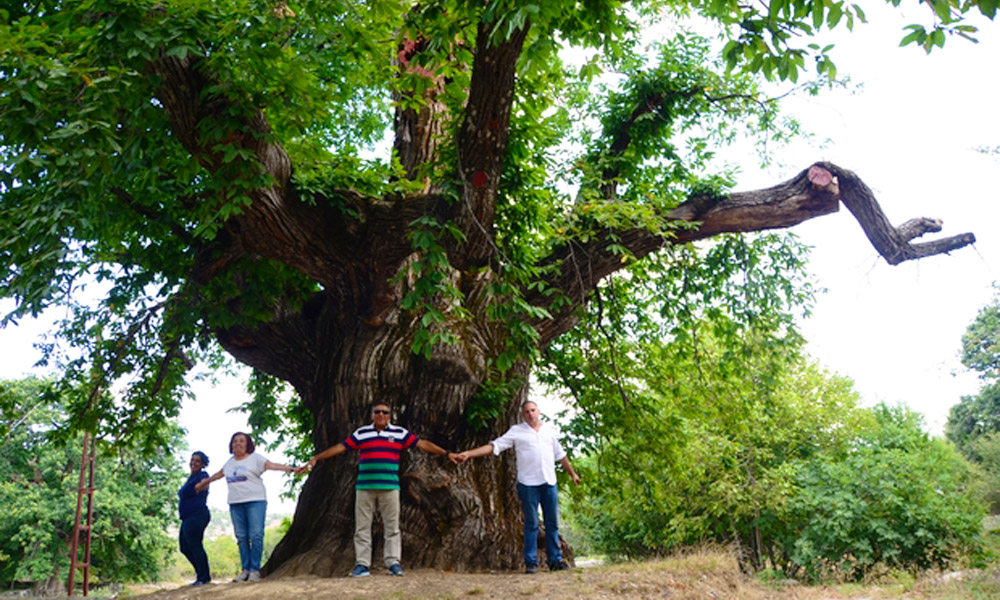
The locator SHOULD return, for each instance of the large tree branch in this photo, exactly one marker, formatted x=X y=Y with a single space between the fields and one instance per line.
x=891 y=242
x=349 y=243
x=418 y=131
x=814 y=192
x=286 y=347
x=482 y=141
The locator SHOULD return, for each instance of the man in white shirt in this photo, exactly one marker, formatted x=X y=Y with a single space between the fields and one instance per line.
x=537 y=450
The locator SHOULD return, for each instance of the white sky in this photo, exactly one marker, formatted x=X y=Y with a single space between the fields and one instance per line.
x=910 y=134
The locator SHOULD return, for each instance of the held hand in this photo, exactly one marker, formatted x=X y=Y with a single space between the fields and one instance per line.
x=457 y=457
x=306 y=467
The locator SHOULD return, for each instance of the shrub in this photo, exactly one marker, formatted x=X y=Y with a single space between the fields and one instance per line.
x=897 y=499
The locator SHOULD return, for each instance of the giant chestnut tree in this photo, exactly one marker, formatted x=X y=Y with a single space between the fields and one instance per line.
x=207 y=173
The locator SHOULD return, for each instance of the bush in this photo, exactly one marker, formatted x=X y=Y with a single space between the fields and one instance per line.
x=898 y=499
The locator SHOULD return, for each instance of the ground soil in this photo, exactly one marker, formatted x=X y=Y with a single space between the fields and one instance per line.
x=701 y=576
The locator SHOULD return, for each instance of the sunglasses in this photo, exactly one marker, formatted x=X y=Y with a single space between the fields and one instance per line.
x=380 y=412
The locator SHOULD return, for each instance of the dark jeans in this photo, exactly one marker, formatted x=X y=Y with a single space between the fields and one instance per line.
x=531 y=496
x=192 y=533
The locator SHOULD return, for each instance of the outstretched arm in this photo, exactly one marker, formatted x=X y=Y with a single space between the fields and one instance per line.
x=432 y=448
x=272 y=466
x=480 y=451
x=201 y=485
x=328 y=453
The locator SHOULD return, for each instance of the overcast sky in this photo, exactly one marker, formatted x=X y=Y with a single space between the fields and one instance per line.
x=910 y=132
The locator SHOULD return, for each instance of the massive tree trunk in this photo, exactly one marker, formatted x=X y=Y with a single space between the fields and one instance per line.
x=351 y=344
x=453 y=517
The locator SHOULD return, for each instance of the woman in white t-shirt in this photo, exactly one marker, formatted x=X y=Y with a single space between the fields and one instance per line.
x=247 y=500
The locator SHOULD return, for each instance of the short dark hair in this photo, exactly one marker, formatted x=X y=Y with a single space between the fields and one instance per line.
x=250 y=445
x=202 y=456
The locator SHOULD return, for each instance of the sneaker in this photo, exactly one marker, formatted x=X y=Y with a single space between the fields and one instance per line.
x=254 y=576
x=559 y=566
x=243 y=576
x=360 y=571
x=197 y=583
x=531 y=569
x=396 y=570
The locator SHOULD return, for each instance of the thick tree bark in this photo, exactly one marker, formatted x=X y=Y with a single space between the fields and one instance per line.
x=449 y=513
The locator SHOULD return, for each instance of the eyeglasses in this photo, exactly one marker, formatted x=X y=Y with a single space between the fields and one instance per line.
x=380 y=412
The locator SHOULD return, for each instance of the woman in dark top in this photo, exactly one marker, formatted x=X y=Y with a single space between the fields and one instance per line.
x=194 y=518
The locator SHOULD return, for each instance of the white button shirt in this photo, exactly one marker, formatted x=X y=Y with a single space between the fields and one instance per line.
x=537 y=452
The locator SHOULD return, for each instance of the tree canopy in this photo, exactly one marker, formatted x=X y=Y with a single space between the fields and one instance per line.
x=138 y=138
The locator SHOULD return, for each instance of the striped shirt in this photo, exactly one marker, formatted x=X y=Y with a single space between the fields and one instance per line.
x=378 y=467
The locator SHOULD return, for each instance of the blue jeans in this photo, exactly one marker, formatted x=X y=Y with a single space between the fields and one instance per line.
x=531 y=496
x=248 y=524
x=191 y=535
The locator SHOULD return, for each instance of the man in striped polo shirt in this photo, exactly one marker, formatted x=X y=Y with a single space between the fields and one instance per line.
x=380 y=445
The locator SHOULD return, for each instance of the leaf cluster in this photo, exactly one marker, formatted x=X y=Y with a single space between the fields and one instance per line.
x=979 y=414
x=974 y=422
x=39 y=476
x=895 y=499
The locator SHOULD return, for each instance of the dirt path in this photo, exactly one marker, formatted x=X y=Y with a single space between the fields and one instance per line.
x=702 y=577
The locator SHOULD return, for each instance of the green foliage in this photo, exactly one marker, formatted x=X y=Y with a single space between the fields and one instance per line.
x=974 y=417
x=491 y=402
x=134 y=501
x=896 y=499
x=703 y=421
x=985 y=452
x=433 y=295
x=769 y=35
x=974 y=423
x=981 y=342
x=687 y=408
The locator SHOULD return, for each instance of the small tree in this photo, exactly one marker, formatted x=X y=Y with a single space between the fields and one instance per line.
x=135 y=498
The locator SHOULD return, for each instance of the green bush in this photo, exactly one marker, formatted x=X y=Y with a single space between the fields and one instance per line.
x=897 y=499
